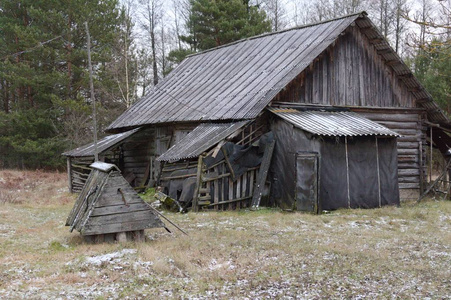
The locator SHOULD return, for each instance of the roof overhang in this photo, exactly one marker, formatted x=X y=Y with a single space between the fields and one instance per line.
x=202 y=138
x=337 y=124
x=102 y=145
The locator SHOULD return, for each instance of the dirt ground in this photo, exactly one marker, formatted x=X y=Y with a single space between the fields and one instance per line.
x=381 y=253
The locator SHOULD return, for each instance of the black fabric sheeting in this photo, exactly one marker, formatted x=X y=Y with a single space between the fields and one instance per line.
x=363 y=182
x=282 y=171
x=388 y=162
x=333 y=194
x=175 y=186
x=306 y=182
x=333 y=181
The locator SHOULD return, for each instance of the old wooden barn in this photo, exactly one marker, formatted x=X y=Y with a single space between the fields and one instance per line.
x=226 y=125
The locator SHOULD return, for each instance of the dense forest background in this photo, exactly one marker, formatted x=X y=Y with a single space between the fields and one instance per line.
x=45 y=104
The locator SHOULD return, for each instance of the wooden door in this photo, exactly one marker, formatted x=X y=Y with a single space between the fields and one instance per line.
x=307 y=182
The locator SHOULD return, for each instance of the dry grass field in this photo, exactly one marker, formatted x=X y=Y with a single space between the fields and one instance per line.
x=354 y=254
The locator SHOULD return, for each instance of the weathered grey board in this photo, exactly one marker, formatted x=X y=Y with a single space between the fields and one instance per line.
x=122 y=227
x=115 y=209
x=266 y=161
x=105 y=211
x=365 y=79
x=121 y=217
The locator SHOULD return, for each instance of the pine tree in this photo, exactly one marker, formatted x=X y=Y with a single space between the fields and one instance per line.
x=43 y=75
x=215 y=23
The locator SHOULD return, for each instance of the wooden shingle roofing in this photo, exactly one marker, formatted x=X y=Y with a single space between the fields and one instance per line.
x=237 y=81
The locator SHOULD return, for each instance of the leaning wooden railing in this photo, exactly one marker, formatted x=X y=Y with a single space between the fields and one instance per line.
x=216 y=189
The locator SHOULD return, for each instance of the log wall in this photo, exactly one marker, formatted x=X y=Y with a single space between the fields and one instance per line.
x=134 y=156
x=79 y=168
x=411 y=145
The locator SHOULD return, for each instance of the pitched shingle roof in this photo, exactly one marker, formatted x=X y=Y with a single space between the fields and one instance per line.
x=237 y=81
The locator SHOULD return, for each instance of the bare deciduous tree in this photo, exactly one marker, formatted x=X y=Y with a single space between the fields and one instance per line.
x=151 y=18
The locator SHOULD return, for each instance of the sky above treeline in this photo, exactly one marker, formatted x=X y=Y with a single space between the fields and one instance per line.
x=291 y=13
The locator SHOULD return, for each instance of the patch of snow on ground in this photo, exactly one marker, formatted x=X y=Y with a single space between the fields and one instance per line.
x=214 y=265
x=6 y=230
x=98 y=260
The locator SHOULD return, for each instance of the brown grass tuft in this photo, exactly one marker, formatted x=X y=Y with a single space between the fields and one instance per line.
x=389 y=252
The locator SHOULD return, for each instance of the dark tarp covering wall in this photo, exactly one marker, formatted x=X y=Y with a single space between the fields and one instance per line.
x=388 y=161
x=333 y=157
x=372 y=180
x=240 y=158
x=282 y=171
x=363 y=175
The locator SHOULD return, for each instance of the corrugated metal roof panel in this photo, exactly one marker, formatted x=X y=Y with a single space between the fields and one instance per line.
x=235 y=81
x=202 y=138
x=332 y=123
x=102 y=145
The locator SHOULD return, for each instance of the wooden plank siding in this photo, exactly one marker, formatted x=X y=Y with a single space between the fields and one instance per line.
x=349 y=73
x=352 y=74
x=131 y=155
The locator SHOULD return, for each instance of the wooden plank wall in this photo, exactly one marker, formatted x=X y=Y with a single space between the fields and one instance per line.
x=139 y=152
x=80 y=169
x=220 y=192
x=349 y=73
x=411 y=145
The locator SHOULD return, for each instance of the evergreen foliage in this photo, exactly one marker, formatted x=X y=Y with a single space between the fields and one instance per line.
x=216 y=23
x=433 y=69
x=44 y=90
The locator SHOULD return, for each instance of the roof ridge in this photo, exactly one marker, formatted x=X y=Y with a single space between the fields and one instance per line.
x=361 y=13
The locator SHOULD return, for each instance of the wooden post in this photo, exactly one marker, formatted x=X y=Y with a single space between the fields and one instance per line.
x=421 y=166
x=263 y=172
x=216 y=188
x=198 y=183
x=121 y=237
x=231 y=196
x=69 y=173
x=238 y=192
x=91 y=85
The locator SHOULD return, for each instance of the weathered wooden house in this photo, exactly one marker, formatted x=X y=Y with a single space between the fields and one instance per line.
x=219 y=113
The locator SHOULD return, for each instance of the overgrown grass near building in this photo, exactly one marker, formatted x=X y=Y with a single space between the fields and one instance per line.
x=380 y=253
